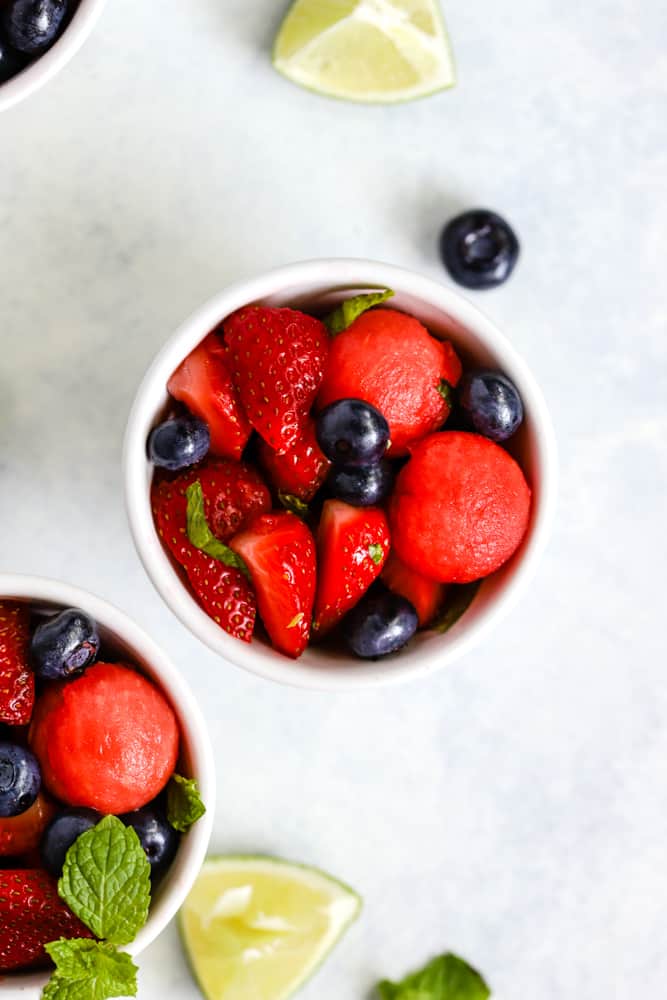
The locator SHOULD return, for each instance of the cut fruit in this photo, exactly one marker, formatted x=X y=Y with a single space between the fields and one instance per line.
x=259 y=927
x=377 y=51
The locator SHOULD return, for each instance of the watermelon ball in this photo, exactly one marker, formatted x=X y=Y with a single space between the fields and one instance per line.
x=460 y=508
x=107 y=740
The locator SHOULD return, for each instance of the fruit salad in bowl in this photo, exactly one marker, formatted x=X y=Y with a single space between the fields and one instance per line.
x=106 y=790
x=339 y=474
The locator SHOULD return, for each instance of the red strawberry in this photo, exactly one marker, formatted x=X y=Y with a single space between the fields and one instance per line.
x=21 y=834
x=204 y=384
x=426 y=596
x=32 y=915
x=301 y=469
x=277 y=358
x=279 y=551
x=17 y=681
x=352 y=546
x=390 y=360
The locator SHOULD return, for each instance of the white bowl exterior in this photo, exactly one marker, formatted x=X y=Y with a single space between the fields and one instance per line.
x=196 y=749
x=446 y=313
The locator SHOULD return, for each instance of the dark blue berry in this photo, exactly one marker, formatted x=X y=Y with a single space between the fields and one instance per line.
x=492 y=404
x=381 y=623
x=32 y=26
x=64 y=645
x=479 y=249
x=158 y=839
x=61 y=833
x=362 y=486
x=178 y=443
x=351 y=432
x=11 y=61
x=20 y=779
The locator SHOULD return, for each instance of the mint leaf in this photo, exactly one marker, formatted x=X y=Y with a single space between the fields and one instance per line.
x=346 y=313
x=376 y=553
x=89 y=970
x=293 y=504
x=184 y=804
x=445 y=978
x=106 y=881
x=201 y=535
x=446 y=391
x=459 y=598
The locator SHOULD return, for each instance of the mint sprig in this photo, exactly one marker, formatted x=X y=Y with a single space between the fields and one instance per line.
x=293 y=504
x=184 y=804
x=346 y=313
x=376 y=552
x=445 y=978
x=446 y=390
x=458 y=600
x=89 y=970
x=201 y=535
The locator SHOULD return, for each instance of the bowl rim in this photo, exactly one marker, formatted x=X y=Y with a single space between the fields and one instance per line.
x=336 y=274
x=194 y=847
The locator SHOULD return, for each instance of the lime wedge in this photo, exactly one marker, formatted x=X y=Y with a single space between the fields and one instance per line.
x=377 y=51
x=255 y=928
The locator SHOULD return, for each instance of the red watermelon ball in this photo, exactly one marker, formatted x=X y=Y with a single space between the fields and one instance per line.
x=107 y=740
x=460 y=508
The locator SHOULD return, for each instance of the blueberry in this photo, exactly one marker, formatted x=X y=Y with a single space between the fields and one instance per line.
x=351 y=432
x=492 y=404
x=479 y=249
x=178 y=443
x=158 y=839
x=364 y=486
x=11 y=61
x=61 y=833
x=20 y=779
x=381 y=623
x=32 y=26
x=64 y=645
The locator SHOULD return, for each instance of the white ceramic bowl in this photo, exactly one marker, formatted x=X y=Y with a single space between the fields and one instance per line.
x=119 y=631
x=446 y=313
x=39 y=72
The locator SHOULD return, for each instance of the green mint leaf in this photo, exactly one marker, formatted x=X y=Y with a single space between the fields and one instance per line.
x=184 y=804
x=89 y=970
x=459 y=598
x=445 y=978
x=293 y=504
x=346 y=313
x=106 y=881
x=201 y=535
x=376 y=552
x=446 y=391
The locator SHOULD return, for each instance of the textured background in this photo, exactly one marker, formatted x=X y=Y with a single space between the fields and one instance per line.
x=513 y=808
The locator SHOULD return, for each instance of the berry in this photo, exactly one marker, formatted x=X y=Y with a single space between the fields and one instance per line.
x=492 y=404
x=107 y=740
x=32 y=26
x=63 y=646
x=362 y=487
x=17 y=681
x=351 y=432
x=19 y=835
x=352 y=546
x=179 y=443
x=11 y=61
x=479 y=249
x=277 y=359
x=279 y=551
x=20 y=779
x=426 y=596
x=203 y=382
x=301 y=469
x=380 y=624
x=61 y=833
x=158 y=839
x=32 y=915
x=391 y=361
x=460 y=508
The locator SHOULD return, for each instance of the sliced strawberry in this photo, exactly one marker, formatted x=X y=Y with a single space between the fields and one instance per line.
x=352 y=546
x=276 y=357
x=279 y=551
x=32 y=915
x=301 y=469
x=17 y=681
x=203 y=382
x=21 y=834
x=426 y=596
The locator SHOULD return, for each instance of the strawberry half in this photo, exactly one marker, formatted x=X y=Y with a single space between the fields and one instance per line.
x=352 y=546
x=31 y=915
x=426 y=596
x=279 y=551
x=276 y=358
x=17 y=681
x=300 y=469
x=203 y=382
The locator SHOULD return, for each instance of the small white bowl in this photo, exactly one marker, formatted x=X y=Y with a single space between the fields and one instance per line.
x=131 y=642
x=317 y=284
x=39 y=72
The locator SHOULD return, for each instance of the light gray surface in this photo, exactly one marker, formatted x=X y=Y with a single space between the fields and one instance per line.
x=514 y=808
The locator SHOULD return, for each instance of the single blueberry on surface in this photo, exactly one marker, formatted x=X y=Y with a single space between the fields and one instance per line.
x=351 y=432
x=20 y=779
x=492 y=404
x=479 y=249
x=179 y=443
x=11 y=61
x=362 y=486
x=32 y=26
x=158 y=839
x=64 y=645
x=61 y=833
x=380 y=624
